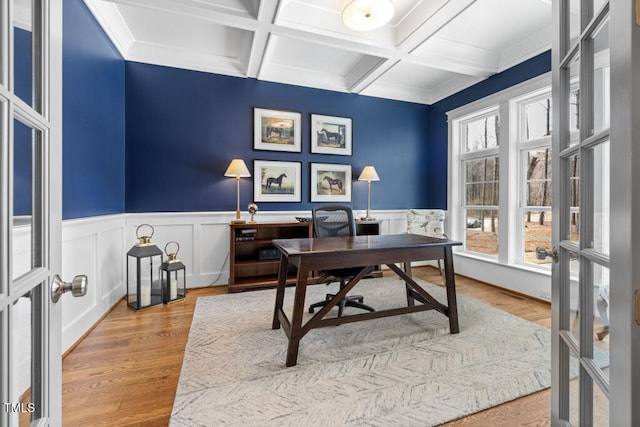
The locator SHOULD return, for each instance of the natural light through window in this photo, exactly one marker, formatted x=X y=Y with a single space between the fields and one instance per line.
x=481 y=168
x=534 y=130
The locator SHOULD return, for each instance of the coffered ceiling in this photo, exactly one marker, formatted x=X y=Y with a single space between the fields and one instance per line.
x=429 y=50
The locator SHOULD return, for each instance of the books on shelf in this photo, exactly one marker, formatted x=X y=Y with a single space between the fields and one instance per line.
x=246 y=234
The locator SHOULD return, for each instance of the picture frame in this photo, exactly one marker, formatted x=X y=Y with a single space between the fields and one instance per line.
x=331 y=135
x=276 y=181
x=277 y=130
x=330 y=182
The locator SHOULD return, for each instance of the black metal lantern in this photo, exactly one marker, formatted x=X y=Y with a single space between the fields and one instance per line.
x=174 y=276
x=144 y=287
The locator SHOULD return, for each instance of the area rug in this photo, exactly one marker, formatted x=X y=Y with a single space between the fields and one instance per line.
x=405 y=370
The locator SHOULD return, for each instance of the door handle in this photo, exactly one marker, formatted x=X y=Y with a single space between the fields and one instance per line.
x=542 y=253
x=78 y=287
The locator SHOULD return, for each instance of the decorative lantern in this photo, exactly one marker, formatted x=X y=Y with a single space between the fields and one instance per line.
x=174 y=276
x=144 y=288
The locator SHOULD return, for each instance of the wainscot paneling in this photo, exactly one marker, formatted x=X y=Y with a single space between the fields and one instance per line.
x=97 y=247
x=93 y=246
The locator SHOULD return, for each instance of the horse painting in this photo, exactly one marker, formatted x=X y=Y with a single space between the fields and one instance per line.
x=281 y=131
x=335 y=136
x=278 y=180
x=337 y=182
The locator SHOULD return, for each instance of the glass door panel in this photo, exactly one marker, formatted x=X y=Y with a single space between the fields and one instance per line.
x=601 y=325
x=24 y=150
x=30 y=212
x=601 y=79
x=601 y=198
x=581 y=278
x=24 y=386
x=574 y=102
x=574 y=21
x=574 y=390
x=24 y=63
x=574 y=198
x=573 y=305
x=600 y=408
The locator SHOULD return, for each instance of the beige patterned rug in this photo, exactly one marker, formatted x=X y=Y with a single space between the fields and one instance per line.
x=397 y=371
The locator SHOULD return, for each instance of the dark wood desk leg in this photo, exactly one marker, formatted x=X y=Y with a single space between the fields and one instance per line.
x=407 y=269
x=450 y=283
x=296 y=316
x=282 y=283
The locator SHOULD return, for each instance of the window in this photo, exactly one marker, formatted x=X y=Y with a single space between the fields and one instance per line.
x=480 y=164
x=501 y=174
x=534 y=147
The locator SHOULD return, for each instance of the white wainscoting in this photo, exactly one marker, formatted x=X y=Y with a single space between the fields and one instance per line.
x=97 y=247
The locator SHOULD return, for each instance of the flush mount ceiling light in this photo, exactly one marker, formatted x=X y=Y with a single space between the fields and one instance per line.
x=366 y=15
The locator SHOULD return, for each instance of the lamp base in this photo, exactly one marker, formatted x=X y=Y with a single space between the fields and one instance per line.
x=238 y=221
x=367 y=218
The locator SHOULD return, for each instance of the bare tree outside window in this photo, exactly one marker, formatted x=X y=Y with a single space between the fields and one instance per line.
x=482 y=185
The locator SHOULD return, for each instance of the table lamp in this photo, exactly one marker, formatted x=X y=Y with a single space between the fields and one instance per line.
x=237 y=169
x=369 y=174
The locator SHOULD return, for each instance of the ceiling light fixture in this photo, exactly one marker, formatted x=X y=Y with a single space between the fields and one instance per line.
x=366 y=15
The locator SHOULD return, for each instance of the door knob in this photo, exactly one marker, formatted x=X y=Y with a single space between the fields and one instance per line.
x=542 y=253
x=78 y=287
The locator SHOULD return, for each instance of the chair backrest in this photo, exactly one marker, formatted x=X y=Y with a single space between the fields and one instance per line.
x=426 y=222
x=333 y=220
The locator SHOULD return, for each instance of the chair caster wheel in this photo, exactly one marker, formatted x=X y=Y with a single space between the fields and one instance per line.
x=311 y=310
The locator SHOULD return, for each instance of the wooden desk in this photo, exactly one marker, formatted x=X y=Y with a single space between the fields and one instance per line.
x=341 y=252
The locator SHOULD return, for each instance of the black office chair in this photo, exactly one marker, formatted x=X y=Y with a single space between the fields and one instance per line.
x=331 y=221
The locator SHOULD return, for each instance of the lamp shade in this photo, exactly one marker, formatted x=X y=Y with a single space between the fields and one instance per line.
x=369 y=174
x=366 y=15
x=237 y=169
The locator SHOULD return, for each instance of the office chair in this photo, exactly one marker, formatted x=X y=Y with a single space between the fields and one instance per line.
x=331 y=221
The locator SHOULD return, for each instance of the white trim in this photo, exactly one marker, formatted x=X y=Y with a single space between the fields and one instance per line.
x=97 y=246
x=502 y=269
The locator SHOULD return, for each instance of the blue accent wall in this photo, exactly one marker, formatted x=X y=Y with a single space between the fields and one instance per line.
x=184 y=127
x=437 y=160
x=22 y=145
x=93 y=119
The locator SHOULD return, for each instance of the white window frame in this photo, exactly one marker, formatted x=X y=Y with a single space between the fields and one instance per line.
x=523 y=146
x=506 y=270
x=465 y=156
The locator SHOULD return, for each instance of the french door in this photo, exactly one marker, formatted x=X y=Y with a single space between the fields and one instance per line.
x=30 y=211
x=595 y=279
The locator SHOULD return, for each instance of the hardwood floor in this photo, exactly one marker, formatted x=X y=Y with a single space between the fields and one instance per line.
x=126 y=370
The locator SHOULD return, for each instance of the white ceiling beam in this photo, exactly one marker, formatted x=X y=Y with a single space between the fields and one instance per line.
x=225 y=17
x=256 y=55
x=411 y=33
x=423 y=23
x=113 y=24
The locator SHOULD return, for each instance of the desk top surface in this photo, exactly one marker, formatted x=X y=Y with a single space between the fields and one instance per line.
x=310 y=246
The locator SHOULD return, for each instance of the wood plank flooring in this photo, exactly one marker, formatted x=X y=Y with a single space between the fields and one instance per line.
x=125 y=371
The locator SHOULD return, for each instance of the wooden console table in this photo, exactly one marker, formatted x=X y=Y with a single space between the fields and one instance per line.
x=253 y=259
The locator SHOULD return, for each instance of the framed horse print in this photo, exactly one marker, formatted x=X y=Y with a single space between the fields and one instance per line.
x=276 y=181
x=330 y=182
x=331 y=135
x=276 y=130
